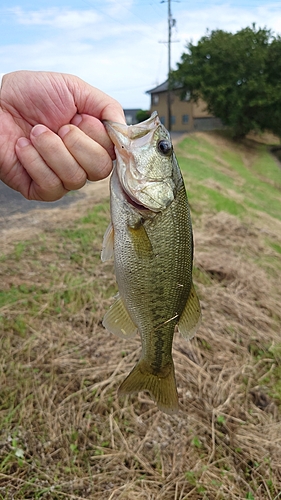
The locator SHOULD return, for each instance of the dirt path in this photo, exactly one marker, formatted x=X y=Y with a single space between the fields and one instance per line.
x=24 y=224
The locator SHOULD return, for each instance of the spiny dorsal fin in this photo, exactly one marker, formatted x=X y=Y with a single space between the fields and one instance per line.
x=191 y=316
x=118 y=321
x=107 y=245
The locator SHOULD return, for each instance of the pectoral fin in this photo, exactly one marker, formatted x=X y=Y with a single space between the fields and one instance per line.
x=141 y=242
x=191 y=316
x=118 y=321
x=107 y=245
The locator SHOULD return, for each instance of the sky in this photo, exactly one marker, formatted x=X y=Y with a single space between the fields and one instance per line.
x=117 y=45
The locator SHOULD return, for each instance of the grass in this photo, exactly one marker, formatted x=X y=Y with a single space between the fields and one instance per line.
x=64 y=434
x=246 y=171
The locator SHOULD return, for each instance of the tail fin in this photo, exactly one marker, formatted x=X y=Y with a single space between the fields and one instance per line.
x=162 y=388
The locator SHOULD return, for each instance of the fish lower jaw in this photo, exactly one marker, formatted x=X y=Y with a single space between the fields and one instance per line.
x=138 y=206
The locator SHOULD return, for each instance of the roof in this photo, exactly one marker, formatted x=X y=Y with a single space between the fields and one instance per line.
x=163 y=87
x=131 y=110
x=131 y=115
x=160 y=88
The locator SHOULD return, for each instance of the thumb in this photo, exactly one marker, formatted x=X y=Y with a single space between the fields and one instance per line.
x=93 y=101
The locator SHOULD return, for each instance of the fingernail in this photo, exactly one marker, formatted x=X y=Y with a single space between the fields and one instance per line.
x=38 y=130
x=63 y=131
x=22 y=142
x=76 y=120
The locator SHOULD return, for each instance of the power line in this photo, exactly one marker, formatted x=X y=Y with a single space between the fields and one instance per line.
x=93 y=4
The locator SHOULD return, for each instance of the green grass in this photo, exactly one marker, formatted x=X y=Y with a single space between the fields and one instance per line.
x=275 y=246
x=62 y=288
x=266 y=167
x=257 y=180
x=216 y=201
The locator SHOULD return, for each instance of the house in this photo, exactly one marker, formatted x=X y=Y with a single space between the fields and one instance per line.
x=186 y=115
x=130 y=116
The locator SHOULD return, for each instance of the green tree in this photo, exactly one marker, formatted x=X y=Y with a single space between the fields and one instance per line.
x=142 y=115
x=272 y=114
x=237 y=75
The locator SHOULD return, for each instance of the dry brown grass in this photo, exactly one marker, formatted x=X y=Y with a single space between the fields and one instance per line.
x=65 y=435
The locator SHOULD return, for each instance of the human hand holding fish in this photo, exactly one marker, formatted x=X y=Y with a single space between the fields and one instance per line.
x=51 y=134
x=150 y=238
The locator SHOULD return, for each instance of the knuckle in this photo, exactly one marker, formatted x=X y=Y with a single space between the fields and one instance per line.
x=101 y=170
x=72 y=139
x=77 y=180
x=52 y=183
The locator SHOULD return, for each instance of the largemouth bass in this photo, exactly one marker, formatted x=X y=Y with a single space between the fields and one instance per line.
x=150 y=237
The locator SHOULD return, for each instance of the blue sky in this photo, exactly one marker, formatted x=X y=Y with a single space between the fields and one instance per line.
x=114 y=44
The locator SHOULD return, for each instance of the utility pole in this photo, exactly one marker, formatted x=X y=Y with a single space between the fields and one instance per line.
x=171 y=24
x=170 y=21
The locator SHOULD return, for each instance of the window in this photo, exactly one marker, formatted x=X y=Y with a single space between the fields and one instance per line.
x=129 y=119
x=185 y=118
x=162 y=120
x=187 y=96
x=173 y=120
x=155 y=99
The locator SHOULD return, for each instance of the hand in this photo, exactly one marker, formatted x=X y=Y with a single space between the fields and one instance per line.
x=51 y=135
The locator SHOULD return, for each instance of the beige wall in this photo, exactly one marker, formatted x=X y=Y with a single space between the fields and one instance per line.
x=199 y=109
x=179 y=109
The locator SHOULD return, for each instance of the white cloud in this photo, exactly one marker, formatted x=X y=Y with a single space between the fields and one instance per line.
x=56 y=18
x=115 y=8
x=193 y=23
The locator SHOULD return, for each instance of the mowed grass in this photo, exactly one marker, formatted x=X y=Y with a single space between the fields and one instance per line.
x=64 y=434
x=244 y=178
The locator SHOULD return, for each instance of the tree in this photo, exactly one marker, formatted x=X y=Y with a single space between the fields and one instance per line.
x=142 y=115
x=237 y=75
x=272 y=116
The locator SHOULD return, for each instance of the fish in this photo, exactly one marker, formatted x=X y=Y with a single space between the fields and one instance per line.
x=150 y=238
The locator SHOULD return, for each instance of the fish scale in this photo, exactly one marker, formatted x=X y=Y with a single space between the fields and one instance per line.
x=151 y=240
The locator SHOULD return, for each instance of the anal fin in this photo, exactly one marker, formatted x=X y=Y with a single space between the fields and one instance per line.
x=118 y=321
x=191 y=316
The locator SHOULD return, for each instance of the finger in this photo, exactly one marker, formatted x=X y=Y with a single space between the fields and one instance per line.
x=96 y=130
x=57 y=157
x=41 y=183
x=90 y=155
x=93 y=101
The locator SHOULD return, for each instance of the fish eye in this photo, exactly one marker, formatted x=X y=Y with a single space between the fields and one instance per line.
x=165 y=147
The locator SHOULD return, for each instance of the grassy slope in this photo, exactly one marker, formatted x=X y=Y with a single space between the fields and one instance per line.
x=64 y=433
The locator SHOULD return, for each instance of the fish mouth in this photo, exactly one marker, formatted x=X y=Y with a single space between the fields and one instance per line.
x=121 y=135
